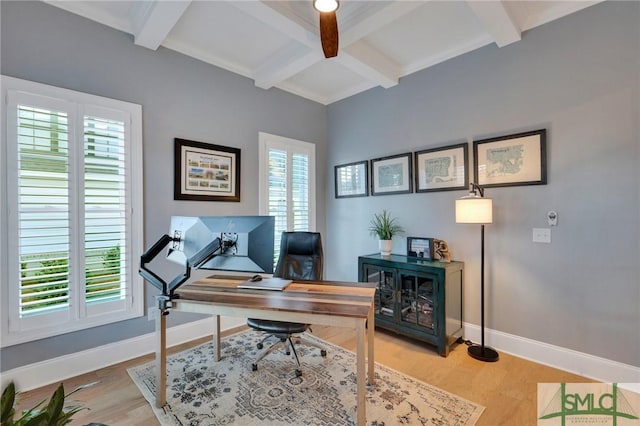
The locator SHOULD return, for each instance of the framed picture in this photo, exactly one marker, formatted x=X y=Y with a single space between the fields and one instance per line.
x=442 y=169
x=206 y=172
x=352 y=180
x=519 y=159
x=391 y=175
x=420 y=247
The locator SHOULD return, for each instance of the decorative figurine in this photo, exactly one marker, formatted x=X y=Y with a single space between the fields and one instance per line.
x=441 y=250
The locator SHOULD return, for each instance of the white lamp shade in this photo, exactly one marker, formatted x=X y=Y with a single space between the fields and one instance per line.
x=473 y=209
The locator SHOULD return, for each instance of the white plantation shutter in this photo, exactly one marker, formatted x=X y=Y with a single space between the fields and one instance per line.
x=106 y=262
x=73 y=174
x=43 y=224
x=287 y=184
x=300 y=192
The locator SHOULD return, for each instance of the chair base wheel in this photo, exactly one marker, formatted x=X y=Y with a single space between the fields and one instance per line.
x=254 y=367
x=323 y=352
x=298 y=373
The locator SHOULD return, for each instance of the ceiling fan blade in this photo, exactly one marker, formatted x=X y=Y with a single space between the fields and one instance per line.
x=329 y=33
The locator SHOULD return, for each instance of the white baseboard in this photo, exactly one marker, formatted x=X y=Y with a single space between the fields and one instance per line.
x=58 y=369
x=590 y=366
x=55 y=370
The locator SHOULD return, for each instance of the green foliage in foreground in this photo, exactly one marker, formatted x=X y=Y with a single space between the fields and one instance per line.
x=53 y=414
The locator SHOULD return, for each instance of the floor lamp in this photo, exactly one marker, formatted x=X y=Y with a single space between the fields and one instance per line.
x=474 y=208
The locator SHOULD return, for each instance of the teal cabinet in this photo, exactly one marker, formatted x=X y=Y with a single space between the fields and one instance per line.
x=417 y=298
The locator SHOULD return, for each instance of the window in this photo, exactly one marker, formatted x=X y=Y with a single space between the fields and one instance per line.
x=71 y=228
x=287 y=184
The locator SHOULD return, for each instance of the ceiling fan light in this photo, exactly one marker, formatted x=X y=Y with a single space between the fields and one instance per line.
x=325 y=5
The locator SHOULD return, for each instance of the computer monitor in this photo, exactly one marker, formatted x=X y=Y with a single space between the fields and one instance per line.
x=228 y=243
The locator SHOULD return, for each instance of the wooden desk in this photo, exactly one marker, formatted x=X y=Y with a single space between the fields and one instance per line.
x=340 y=304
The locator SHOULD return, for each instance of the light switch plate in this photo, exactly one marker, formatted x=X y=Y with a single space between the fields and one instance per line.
x=541 y=235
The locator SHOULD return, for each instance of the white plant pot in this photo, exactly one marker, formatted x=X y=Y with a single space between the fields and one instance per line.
x=385 y=247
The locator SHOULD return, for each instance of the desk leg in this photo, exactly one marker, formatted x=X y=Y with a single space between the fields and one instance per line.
x=161 y=359
x=361 y=388
x=216 y=336
x=371 y=328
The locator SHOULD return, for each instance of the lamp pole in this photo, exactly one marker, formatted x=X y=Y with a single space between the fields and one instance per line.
x=482 y=352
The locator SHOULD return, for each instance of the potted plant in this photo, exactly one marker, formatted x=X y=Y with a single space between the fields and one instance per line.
x=384 y=227
x=55 y=413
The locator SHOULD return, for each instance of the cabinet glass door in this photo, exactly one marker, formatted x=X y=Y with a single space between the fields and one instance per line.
x=416 y=300
x=383 y=278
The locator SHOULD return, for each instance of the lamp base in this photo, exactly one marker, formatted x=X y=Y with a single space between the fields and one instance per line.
x=483 y=353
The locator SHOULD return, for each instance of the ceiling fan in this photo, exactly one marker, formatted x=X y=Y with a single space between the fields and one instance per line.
x=328 y=26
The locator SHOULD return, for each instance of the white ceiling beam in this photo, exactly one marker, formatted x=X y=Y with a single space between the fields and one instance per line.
x=496 y=20
x=362 y=59
x=377 y=20
x=284 y=64
x=152 y=21
x=277 y=21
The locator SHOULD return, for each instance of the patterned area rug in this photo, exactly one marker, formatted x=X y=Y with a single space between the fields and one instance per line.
x=203 y=392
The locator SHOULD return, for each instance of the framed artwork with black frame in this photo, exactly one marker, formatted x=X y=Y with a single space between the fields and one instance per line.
x=206 y=172
x=352 y=179
x=419 y=247
x=392 y=175
x=442 y=169
x=518 y=159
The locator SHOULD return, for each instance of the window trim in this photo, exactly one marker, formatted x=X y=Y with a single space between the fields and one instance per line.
x=79 y=317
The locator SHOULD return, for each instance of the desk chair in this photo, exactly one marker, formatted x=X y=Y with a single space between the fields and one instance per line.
x=300 y=259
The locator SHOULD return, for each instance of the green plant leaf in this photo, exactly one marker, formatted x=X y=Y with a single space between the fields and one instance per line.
x=40 y=419
x=8 y=399
x=56 y=404
x=82 y=387
x=384 y=226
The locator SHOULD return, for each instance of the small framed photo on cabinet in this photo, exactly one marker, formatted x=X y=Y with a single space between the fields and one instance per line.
x=421 y=248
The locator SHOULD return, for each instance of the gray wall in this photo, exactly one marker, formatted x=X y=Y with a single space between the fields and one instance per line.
x=180 y=97
x=578 y=77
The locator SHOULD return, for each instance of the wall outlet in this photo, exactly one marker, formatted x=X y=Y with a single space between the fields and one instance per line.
x=541 y=235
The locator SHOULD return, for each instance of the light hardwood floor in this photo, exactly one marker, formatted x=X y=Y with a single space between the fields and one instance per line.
x=506 y=388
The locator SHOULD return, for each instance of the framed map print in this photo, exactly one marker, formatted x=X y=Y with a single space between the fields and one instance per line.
x=519 y=159
x=391 y=175
x=442 y=169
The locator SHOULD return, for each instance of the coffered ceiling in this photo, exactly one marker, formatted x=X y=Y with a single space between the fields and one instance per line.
x=276 y=43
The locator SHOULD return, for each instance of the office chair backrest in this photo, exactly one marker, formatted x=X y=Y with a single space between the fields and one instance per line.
x=300 y=256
